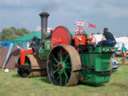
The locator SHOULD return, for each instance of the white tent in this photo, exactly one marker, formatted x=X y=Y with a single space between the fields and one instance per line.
x=98 y=37
x=120 y=41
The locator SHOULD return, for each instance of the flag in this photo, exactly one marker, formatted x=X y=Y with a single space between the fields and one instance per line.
x=80 y=23
x=90 y=25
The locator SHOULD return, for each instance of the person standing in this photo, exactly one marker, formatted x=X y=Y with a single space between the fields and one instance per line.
x=124 y=55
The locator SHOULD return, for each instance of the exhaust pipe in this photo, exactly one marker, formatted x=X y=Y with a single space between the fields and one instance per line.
x=44 y=23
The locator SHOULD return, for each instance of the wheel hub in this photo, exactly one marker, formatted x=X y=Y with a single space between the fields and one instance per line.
x=60 y=66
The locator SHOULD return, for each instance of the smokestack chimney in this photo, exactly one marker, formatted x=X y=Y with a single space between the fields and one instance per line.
x=44 y=23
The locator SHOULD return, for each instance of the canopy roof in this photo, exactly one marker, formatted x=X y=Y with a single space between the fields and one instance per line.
x=27 y=37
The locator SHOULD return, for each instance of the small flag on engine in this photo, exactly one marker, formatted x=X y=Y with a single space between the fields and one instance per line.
x=80 y=23
x=90 y=25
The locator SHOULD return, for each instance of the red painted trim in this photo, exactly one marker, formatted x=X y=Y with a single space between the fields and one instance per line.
x=23 y=53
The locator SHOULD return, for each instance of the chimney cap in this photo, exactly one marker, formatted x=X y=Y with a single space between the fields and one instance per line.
x=44 y=14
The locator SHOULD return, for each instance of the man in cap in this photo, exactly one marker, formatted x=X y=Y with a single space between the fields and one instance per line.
x=109 y=39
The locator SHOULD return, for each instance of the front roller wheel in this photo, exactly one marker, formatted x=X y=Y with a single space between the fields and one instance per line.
x=63 y=66
x=24 y=70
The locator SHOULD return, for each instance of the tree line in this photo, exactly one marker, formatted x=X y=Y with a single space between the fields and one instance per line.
x=11 y=33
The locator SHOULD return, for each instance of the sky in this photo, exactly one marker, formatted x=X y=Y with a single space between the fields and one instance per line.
x=104 y=13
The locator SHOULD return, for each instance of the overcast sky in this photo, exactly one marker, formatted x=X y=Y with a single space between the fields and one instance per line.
x=104 y=13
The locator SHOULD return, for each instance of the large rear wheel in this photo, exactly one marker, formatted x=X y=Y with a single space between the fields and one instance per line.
x=63 y=66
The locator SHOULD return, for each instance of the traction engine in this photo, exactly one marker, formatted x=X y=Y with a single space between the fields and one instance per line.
x=65 y=59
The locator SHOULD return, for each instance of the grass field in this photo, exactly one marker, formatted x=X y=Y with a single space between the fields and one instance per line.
x=12 y=85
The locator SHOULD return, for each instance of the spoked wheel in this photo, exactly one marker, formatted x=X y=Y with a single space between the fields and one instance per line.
x=63 y=66
x=24 y=70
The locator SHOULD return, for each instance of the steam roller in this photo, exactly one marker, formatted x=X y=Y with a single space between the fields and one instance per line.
x=64 y=58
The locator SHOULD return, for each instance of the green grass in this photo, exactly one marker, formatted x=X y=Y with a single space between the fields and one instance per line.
x=13 y=85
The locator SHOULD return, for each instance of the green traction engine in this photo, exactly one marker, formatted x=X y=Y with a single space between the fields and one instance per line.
x=64 y=58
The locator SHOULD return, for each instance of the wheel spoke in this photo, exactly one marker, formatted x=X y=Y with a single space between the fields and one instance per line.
x=54 y=58
x=67 y=67
x=66 y=77
x=60 y=56
x=51 y=74
x=66 y=58
x=67 y=62
x=60 y=79
x=55 y=66
x=57 y=70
